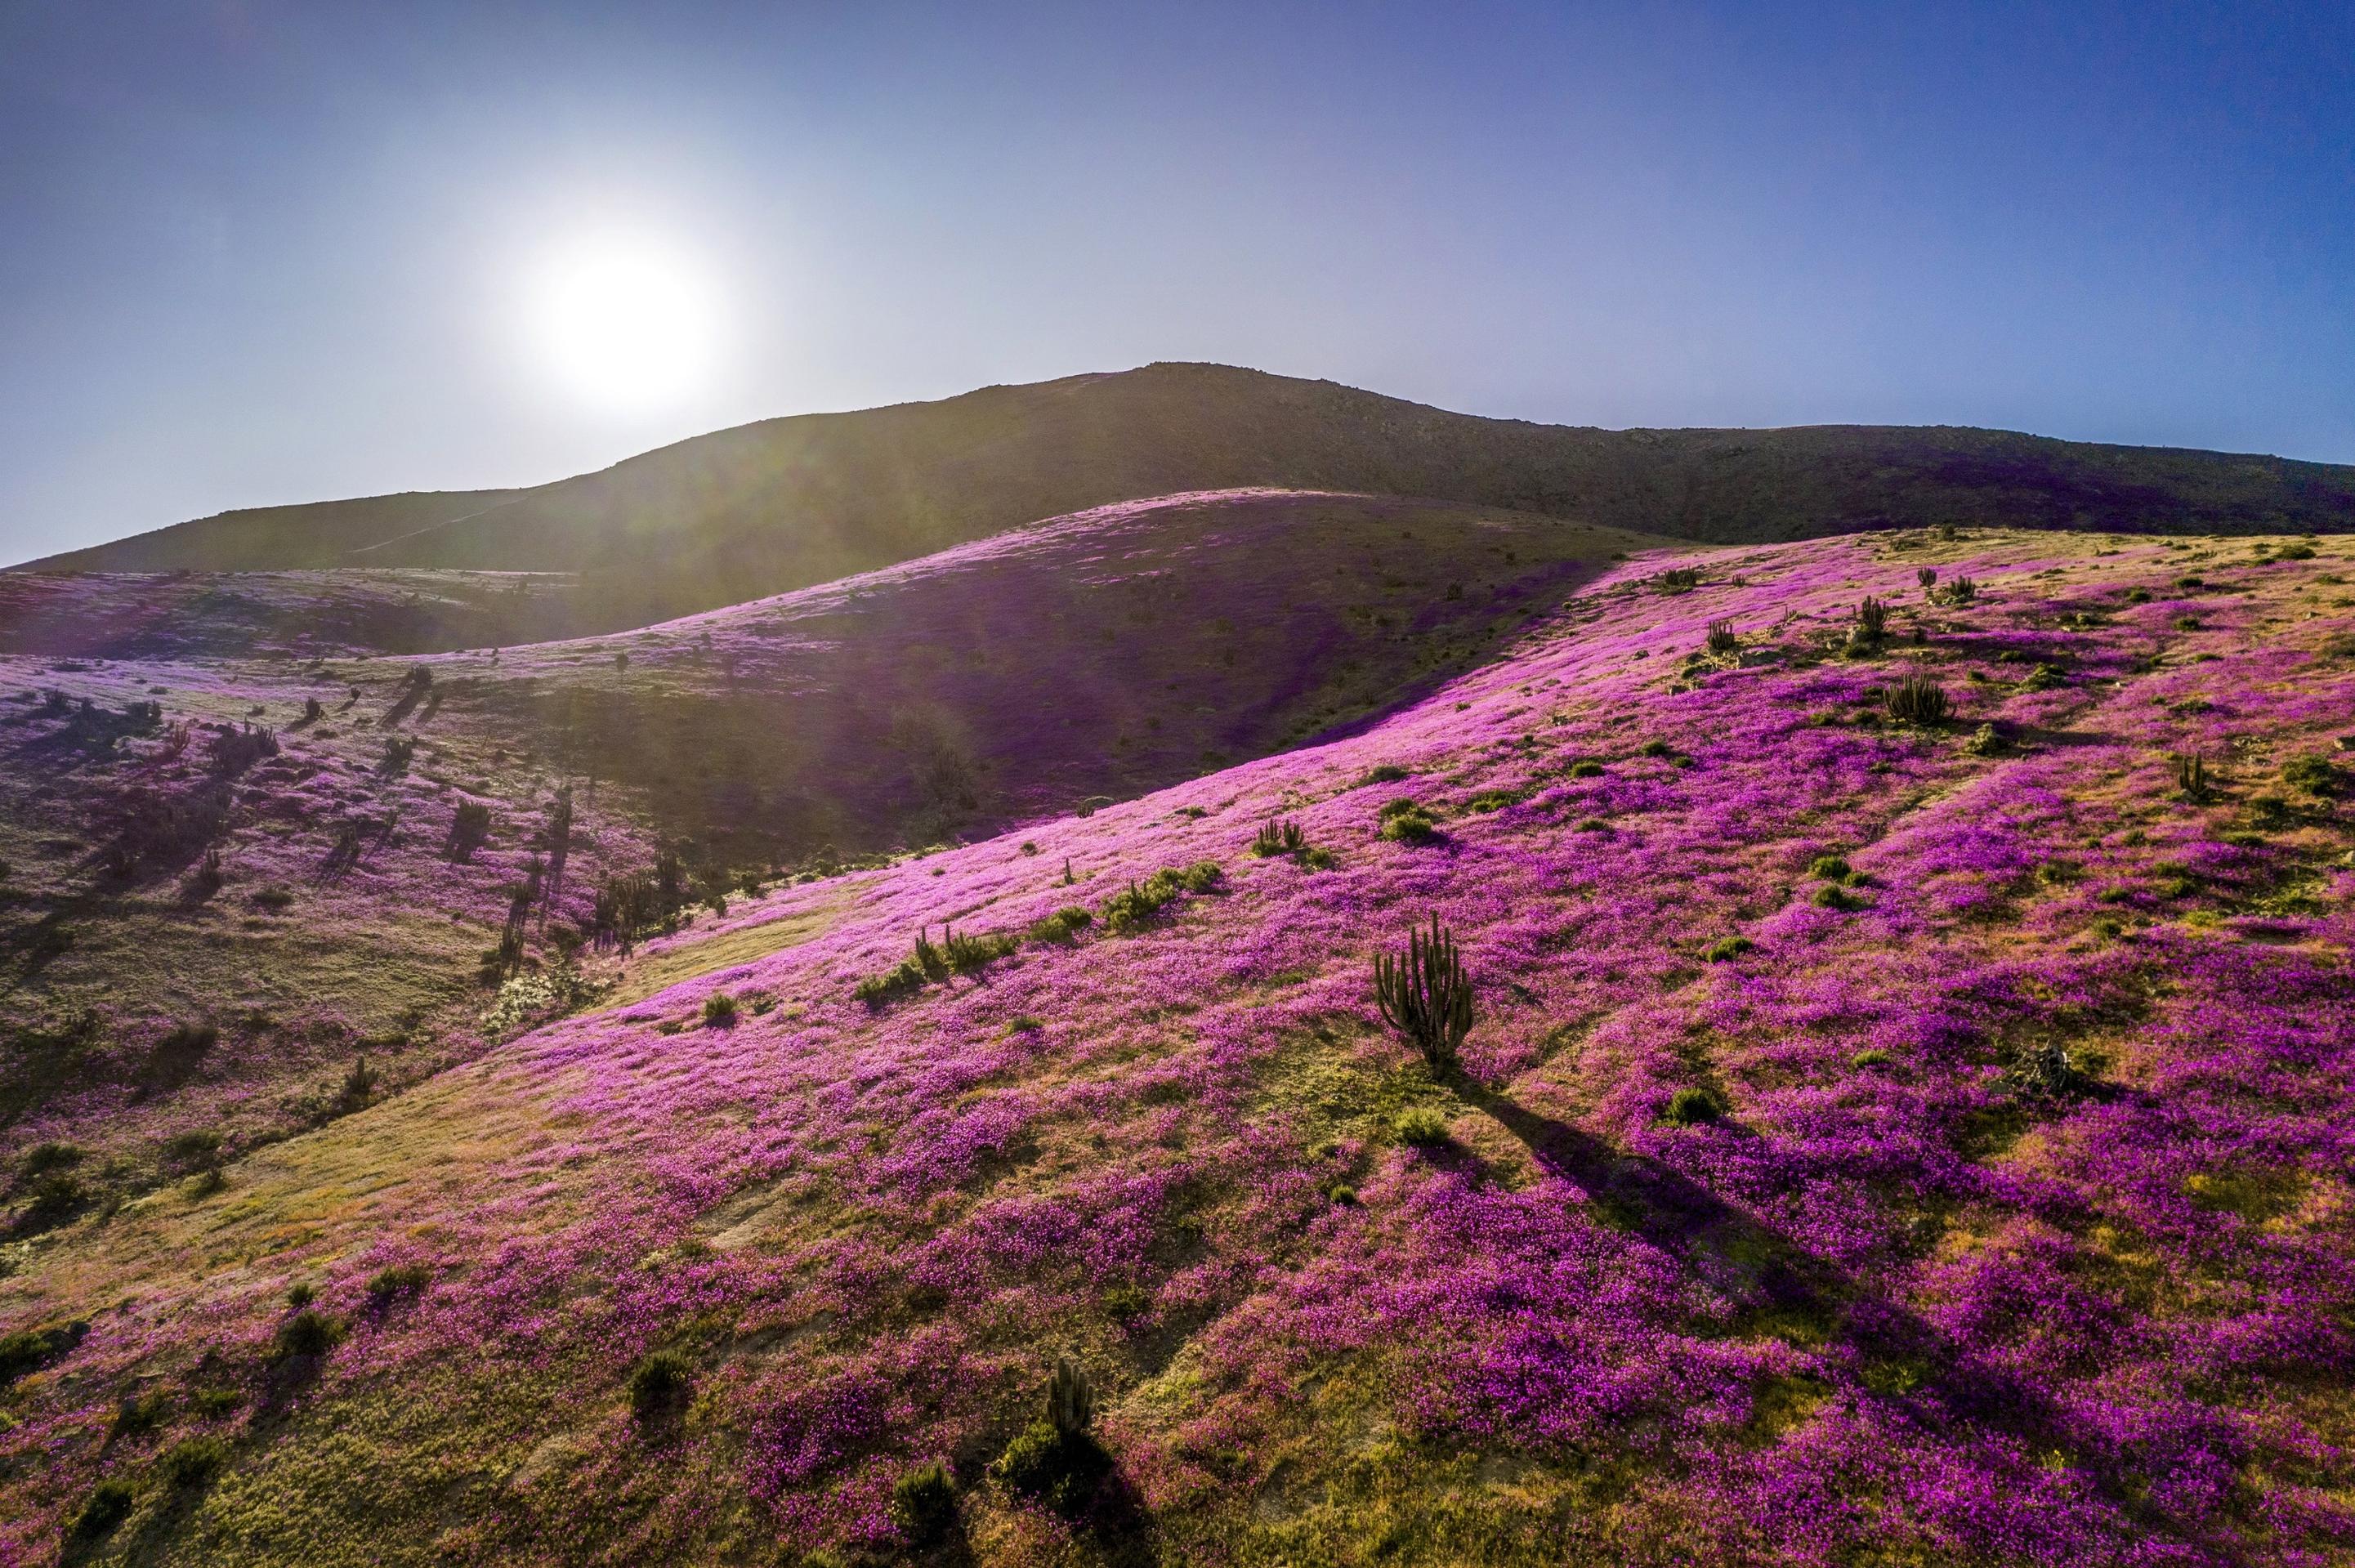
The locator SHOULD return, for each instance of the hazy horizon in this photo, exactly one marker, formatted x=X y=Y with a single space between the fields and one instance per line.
x=262 y=255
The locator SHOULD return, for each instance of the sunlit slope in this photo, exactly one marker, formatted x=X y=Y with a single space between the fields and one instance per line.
x=1100 y=655
x=789 y=502
x=1881 y=1136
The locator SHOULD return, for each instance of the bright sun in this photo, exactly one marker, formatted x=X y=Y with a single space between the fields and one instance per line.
x=624 y=322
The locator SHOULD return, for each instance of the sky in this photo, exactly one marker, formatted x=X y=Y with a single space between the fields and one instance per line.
x=254 y=252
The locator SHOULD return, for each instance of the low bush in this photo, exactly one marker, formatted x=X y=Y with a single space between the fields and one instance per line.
x=1727 y=948
x=390 y=1285
x=1127 y=1301
x=1062 y=926
x=658 y=1383
x=923 y=1505
x=194 y=1461
x=308 y=1332
x=1383 y=773
x=44 y=1158
x=878 y=991
x=30 y=1349
x=972 y=955
x=2315 y=775
x=108 y=1504
x=136 y=1415
x=1692 y=1107
x=1678 y=580
x=1588 y=769
x=1721 y=639
x=1404 y=822
x=719 y=1010
x=1831 y=868
x=1420 y=1125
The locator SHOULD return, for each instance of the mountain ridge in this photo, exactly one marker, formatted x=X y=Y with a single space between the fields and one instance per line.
x=784 y=503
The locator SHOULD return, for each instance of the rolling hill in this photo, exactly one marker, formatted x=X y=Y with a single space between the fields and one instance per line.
x=218 y=817
x=1900 y=1117
x=787 y=503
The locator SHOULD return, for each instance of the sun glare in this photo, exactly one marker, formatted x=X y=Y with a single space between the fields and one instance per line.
x=624 y=322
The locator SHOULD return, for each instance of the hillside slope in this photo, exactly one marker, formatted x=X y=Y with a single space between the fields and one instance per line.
x=183 y=614
x=304 y=535
x=1877 y=1140
x=1101 y=655
x=789 y=502
x=228 y=871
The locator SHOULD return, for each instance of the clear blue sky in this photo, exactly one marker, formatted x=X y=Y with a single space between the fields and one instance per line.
x=258 y=251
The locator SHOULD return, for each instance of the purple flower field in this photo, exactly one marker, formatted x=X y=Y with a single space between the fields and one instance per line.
x=1883 y=1136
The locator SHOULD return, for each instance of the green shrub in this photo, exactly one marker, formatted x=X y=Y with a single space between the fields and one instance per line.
x=1127 y=1301
x=923 y=1505
x=194 y=1461
x=137 y=1413
x=1383 y=773
x=389 y=1284
x=42 y=1158
x=1831 y=868
x=1831 y=895
x=972 y=955
x=877 y=990
x=1412 y=826
x=2315 y=775
x=2044 y=678
x=1586 y=770
x=28 y=1349
x=1656 y=749
x=299 y=1295
x=1726 y=948
x=1690 y=1107
x=1866 y=1059
x=1678 y=580
x=309 y=1332
x=196 y=1149
x=658 y=1383
x=1062 y=926
x=1420 y=1125
x=108 y=1504
x=719 y=1010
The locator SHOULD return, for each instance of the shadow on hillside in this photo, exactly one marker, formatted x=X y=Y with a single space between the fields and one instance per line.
x=1783 y=1290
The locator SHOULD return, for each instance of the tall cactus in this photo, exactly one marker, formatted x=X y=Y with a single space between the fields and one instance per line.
x=1071 y=1400
x=1426 y=996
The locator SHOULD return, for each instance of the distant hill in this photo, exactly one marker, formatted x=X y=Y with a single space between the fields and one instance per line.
x=277 y=538
x=785 y=503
